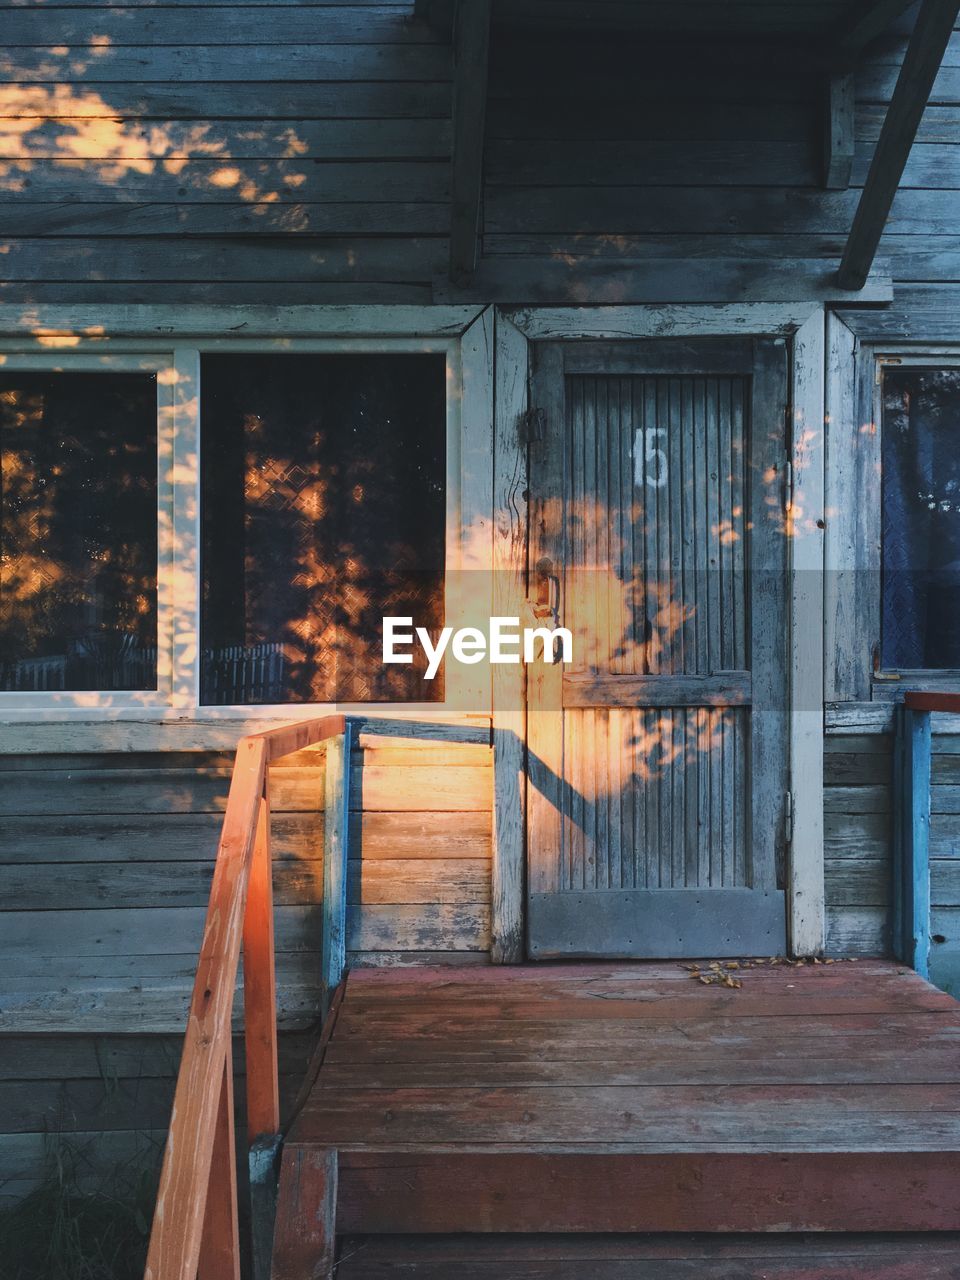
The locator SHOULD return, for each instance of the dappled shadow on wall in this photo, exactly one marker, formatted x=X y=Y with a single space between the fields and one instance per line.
x=324 y=509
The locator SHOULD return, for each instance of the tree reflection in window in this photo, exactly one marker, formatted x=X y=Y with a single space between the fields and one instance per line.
x=921 y=518
x=324 y=509
x=78 y=531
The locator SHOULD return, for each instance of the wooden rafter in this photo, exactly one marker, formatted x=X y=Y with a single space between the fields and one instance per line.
x=471 y=47
x=919 y=70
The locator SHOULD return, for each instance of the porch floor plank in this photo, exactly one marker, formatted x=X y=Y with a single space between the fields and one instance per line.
x=637 y=1098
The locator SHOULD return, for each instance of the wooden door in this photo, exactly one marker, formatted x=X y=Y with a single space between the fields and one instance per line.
x=657 y=759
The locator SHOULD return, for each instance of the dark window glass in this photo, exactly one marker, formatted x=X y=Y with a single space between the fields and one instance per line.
x=921 y=518
x=323 y=510
x=78 y=531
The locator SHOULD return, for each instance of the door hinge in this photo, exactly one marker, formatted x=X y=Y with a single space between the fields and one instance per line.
x=532 y=426
x=788 y=485
x=788 y=817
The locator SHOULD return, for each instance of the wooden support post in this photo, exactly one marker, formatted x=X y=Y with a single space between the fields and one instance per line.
x=805 y=883
x=220 y=1241
x=509 y=695
x=471 y=48
x=260 y=1025
x=915 y=836
x=920 y=66
x=336 y=831
x=259 y=989
x=305 y=1239
x=264 y=1160
x=899 y=821
x=838 y=131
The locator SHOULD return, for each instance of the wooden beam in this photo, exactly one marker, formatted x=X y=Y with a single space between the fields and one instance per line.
x=862 y=24
x=509 y=693
x=305 y=1239
x=920 y=65
x=471 y=48
x=260 y=989
x=805 y=879
x=336 y=832
x=912 y=840
x=838 y=130
x=574 y=282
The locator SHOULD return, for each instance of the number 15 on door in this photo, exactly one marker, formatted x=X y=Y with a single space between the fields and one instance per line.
x=650 y=457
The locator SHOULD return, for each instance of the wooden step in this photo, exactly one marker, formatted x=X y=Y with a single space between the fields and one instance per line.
x=846 y=1257
x=632 y=1098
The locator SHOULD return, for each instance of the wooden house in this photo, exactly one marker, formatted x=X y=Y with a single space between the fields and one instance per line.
x=636 y=318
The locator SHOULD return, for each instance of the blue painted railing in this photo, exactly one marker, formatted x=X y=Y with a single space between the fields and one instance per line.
x=911 y=826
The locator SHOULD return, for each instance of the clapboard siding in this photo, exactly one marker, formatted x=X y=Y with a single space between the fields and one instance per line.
x=858 y=777
x=146 y=153
x=858 y=772
x=251 y=139
x=303 y=149
x=105 y=865
x=105 y=1099
x=99 y=27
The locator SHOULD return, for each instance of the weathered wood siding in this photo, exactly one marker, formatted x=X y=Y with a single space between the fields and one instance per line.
x=304 y=149
x=105 y=865
x=858 y=777
x=301 y=153
x=101 y=1104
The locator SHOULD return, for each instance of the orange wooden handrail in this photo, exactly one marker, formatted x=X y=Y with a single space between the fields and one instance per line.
x=195 y=1221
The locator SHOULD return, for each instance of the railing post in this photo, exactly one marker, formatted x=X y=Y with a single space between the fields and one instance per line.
x=260 y=1039
x=336 y=842
x=916 y=839
x=259 y=985
x=220 y=1240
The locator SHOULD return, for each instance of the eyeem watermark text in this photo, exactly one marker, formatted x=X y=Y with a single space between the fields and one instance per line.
x=504 y=642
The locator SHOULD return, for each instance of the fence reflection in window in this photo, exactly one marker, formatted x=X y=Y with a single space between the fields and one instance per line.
x=323 y=509
x=78 y=531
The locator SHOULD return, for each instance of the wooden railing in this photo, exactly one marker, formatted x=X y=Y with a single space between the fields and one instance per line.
x=195 y=1222
x=911 y=826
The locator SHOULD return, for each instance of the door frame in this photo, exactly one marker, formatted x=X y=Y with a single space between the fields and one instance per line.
x=803 y=324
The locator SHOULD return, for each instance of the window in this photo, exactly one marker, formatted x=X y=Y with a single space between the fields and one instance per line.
x=921 y=518
x=323 y=503
x=78 y=531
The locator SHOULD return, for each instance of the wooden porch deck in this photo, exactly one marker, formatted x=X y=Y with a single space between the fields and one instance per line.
x=632 y=1098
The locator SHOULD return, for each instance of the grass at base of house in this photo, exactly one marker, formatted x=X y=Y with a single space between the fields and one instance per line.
x=68 y=1229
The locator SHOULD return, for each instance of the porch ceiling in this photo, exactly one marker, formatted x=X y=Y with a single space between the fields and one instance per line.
x=823 y=37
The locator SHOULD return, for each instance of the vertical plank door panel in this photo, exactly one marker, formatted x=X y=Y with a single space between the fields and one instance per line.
x=657 y=789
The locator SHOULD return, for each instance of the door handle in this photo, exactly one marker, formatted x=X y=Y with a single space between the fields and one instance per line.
x=546 y=603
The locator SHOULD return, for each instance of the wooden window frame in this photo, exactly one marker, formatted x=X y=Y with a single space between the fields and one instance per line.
x=853 y=586
x=57 y=338
x=907 y=678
